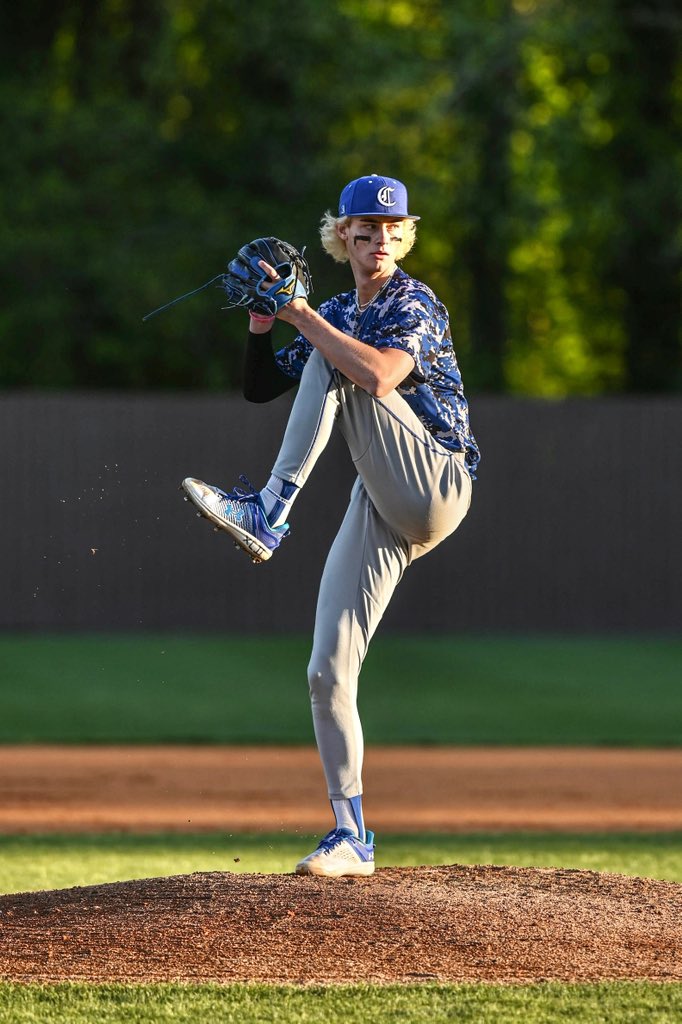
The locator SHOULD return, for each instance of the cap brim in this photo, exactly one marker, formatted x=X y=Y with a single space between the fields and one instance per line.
x=373 y=213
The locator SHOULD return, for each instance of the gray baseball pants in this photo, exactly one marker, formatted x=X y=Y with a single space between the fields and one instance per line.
x=410 y=494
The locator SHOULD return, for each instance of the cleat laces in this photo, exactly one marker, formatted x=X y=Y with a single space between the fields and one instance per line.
x=333 y=838
x=247 y=491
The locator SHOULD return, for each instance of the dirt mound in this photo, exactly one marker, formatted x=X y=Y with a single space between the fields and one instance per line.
x=449 y=923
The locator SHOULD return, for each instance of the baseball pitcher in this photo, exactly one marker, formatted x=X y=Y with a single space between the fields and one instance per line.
x=376 y=362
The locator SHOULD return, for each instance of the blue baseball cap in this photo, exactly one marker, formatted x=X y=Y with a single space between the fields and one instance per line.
x=375 y=196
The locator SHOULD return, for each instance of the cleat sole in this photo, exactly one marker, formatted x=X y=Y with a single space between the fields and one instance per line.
x=364 y=870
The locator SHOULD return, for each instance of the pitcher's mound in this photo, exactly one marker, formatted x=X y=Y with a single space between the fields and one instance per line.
x=403 y=925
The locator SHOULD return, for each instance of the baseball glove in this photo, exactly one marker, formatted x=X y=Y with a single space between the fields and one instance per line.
x=248 y=286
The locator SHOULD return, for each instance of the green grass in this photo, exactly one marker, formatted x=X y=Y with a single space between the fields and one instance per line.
x=617 y=1003
x=56 y=862
x=29 y=862
x=470 y=690
x=452 y=690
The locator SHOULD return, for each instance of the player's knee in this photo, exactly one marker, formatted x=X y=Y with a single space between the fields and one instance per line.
x=322 y=680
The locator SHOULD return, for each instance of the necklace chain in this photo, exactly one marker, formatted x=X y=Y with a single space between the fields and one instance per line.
x=362 y=306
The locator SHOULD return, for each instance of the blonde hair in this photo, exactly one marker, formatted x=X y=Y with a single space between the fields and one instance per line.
x=335 y=246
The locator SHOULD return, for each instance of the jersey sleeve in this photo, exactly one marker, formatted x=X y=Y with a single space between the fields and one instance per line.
x=415 y=323
x=292 y=358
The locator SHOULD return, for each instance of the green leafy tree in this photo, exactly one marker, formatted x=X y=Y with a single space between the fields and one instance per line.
x=144 y=142
x=646 y=260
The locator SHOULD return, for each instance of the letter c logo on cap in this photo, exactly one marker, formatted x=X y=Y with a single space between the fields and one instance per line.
x=384 y=195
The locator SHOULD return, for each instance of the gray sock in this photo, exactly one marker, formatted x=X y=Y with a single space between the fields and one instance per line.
x=348 y=814
x=278 y=496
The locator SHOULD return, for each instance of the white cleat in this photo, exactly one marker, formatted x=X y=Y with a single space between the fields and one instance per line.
x=340 y=853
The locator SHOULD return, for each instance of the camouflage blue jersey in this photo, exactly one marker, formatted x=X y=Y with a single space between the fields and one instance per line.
x=406 y=315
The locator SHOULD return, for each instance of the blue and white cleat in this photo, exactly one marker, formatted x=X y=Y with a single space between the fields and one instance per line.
x=340 y=853
x=240 y=514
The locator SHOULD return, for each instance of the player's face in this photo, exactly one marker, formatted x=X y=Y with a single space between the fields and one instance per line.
x=373 y=243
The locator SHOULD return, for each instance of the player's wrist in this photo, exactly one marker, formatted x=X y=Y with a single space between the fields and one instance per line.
x=259 y=324
x=296 y=312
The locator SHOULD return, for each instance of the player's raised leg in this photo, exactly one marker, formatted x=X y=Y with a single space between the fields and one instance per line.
x=256 y=519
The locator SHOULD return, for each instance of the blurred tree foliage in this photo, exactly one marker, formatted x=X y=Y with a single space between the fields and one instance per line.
x=145 y=141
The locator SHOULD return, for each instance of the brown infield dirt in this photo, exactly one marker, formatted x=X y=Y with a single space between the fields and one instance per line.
x=451 y=923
